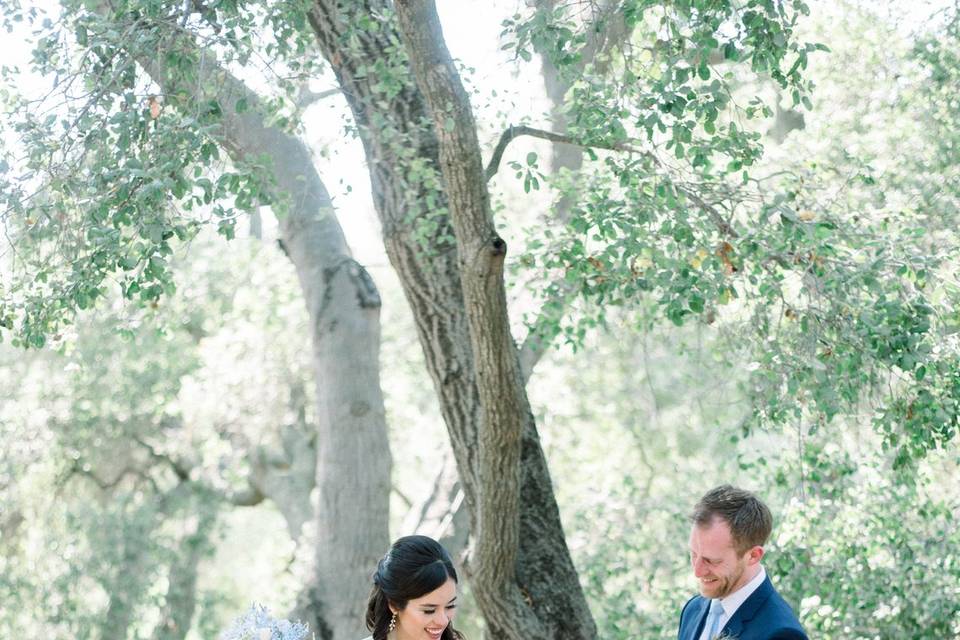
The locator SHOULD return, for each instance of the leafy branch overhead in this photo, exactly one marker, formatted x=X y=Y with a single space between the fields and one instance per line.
x=831 y=302
x=114 y=173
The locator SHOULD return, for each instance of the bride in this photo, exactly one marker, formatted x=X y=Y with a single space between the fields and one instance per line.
x=414 y=594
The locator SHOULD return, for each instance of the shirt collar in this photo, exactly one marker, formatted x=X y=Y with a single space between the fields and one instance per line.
x=733 y=601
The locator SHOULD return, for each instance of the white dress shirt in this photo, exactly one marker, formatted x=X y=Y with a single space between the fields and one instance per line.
x=733 y=601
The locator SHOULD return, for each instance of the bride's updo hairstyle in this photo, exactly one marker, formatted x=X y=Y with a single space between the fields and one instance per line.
x=413 y=567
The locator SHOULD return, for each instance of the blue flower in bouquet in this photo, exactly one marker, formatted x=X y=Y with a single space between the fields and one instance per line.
x=258 y=624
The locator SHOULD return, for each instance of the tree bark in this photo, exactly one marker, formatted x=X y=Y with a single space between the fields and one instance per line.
x=404 y=158
x=503 y=402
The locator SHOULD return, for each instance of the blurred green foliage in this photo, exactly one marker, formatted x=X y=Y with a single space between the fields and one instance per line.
x=120 y=446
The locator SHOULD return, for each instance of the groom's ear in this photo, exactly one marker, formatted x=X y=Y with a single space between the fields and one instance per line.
x=755 y=554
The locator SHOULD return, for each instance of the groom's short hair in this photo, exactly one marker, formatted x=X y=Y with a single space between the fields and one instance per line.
x=750 y=520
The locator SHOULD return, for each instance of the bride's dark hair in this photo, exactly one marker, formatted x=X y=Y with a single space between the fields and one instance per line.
x=413 y=567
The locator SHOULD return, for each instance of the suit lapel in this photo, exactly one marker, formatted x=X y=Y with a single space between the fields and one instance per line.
x=748 y=609
x=698 y=615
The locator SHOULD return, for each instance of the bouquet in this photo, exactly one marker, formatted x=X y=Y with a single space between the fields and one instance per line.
x=258 y=624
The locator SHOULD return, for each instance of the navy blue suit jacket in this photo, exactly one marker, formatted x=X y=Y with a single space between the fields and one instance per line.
x=763 y=616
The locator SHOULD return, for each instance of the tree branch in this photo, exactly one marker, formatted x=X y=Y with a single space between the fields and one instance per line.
x=442 y=514
x=181 y=470
x=305 y=97
x=531 y=351
x=711 y=211
x=403 y=497
x=535 y=345
x=104 y=485
x=516 y=131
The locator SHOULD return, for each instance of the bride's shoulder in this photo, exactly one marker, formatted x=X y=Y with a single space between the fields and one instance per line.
x=368 y=638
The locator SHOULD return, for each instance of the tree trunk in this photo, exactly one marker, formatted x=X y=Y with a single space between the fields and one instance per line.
x=404 y=158
x=503 y=402
x=120 y=608
x=181 y=600
x=353 y=457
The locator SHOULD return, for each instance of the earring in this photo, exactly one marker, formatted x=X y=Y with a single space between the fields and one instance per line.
x=393 y=623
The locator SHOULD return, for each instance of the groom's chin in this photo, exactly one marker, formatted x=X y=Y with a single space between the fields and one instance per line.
x=708 y=590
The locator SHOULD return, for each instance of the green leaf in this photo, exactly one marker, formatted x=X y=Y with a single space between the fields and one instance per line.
x=696 y=303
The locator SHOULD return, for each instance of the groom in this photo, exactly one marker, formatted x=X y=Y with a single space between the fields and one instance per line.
x=730 y=527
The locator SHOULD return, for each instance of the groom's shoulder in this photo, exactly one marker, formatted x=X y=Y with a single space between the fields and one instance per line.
x=781 y=605
x=692 y=601
x=778 y=612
